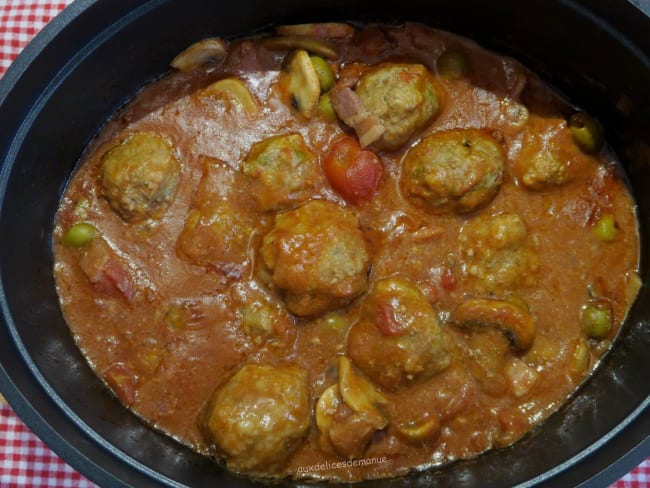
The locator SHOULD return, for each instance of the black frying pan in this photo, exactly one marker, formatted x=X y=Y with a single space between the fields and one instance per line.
x=97 y=54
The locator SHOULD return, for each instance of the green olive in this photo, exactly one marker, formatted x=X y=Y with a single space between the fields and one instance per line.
x=605 y=228
x=325 y=74
x=453 y=65
x=325 y=107
x=335 y=321
x=175 y=317
x=587 y=132
x=596 y=319
x=79 y=235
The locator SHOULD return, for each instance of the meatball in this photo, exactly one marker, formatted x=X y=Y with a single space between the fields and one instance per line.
x=218 y=227
x=262 y=317
x=544 y=155
x=458 y=170
x=258 y=417
x=284 y=170
x=398 y=337
x=404 y=98
x=317 y=255
x=498 y=253
x=139 y=176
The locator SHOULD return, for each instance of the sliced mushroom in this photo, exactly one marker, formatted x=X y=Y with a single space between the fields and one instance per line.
x=302 y=83
x=326 y=407
x=418 y=431
x=322 y=30
x=234 y=90
x=361 y=395
x=511 y=319
x=316 y=46
x=199 y=53
x=347 y=415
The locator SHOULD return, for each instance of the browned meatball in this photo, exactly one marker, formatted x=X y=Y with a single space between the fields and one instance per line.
x=398 y=337
x=139 y=176
x=318 y=256
x=457 y=170
x=259 y=417
x=498 y=253
x=261 y=315
x=544 y=155
x=218 y=226
x=284 y=169
x=404 y=98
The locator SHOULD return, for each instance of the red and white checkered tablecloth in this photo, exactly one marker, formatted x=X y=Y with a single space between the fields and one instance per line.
x=24 y=460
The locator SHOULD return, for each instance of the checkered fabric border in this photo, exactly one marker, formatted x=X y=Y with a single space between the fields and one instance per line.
x=24 y=460
x=639 y=477
x=20 y=21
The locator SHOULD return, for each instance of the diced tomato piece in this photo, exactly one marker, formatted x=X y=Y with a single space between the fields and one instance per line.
x=387 y=323
x=353 y=172
x=455 y=400
x=448 y=279
x=122 y=381
x=106 y=271
x=120 y=279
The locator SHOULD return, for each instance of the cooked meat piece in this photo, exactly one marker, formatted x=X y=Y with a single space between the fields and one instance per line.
x=350 y=109
x=259 y=417
x=139 y=176
x=398 y=338
x=458 y=170
x=218 y=228
x=544 y=155
x=498 y=253
x=262 y=316
x=404 y=98
x=317 y=255
x=106 y=271
x=285 y=171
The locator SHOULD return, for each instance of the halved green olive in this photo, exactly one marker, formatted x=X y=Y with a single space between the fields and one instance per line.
x=596 y=319
x=324 y=72
x=587 y=132
x=453 y=65
x=325 y=107
x=80 y=234
x=605 y=228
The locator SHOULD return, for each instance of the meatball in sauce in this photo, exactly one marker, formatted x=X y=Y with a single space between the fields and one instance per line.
x=341 y=252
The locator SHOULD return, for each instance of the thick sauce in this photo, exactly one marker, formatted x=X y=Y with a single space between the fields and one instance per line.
x=241 y=292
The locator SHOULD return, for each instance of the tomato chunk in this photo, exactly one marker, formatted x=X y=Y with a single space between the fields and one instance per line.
x=387 y=323
x=122 y=381
x=353 y=172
